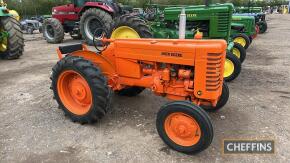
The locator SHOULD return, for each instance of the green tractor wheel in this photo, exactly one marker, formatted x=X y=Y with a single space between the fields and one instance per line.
x=232 y=67
x=130 y=27
x=239 y=51
x=242 y=39
x=12 y=42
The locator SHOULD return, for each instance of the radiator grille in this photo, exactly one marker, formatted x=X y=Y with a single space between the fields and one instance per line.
x=223 y=22
x=213 y=72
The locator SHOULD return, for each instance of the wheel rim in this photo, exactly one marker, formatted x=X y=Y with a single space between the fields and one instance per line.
x=49 y=32
x=182 y=129
x=90 y=26
x=4 y=43
x=15 y=14
x=242 y=41
x=229 y=68
x=124 y=32
x=236 y=52
x=74 y=92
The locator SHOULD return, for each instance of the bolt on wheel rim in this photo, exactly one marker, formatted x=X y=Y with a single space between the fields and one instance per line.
x=74 y=92
x=182 y=129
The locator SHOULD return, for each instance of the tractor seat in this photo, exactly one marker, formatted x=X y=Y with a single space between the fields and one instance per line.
x=70 y=48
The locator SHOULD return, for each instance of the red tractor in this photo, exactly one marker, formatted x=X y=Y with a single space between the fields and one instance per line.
x=80 y=19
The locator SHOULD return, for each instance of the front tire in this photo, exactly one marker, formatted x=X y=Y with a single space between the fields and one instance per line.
x=263 y=26
x=184 y=127
x=53 y=31
x=232 y=67
x=221 y=102
x=242 y=39
x=239 y=51
x=93 y=19
x=11 y=47
x=80 y=89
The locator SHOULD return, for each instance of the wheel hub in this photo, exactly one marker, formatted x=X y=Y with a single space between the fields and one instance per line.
x=90 y=26
x=182 y=129
x=241 y=41
x=74 y=92
x=229 y=68
x=237 y=53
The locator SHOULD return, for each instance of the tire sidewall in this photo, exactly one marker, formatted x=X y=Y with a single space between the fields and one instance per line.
x=94 y=91
x=169 y=109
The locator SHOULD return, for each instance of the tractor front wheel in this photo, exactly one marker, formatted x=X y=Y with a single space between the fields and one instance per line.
x=12 y=46
x=53 y=31
x=184 y=127
x=242 y=39
x=232 y=67
x=80 y=89
x=93 y=19
x=263 y=26
x=221 y=102
x=239 y=51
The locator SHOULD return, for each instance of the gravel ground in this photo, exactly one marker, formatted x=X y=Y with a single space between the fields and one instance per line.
x=33 y=129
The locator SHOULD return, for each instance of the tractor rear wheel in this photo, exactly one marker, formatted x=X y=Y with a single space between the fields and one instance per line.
x=80 y=89
x=263 y=26
x=232 y=67
x=239 y=51
x=222 y=100
x=11 y=47
x=127 y=26
x=53 y=31
x=184 y=127
x=242 y=39
x=91 y=20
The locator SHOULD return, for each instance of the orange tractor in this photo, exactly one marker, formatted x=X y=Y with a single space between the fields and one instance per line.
x=189 y=72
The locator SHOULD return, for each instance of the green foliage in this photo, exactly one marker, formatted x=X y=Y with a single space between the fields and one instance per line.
x=43 y=7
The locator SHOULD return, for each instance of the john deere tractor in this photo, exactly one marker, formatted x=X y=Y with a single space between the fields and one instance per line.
x=257 y=12
x=243 y=30
x=11 y=37
x=213 y=21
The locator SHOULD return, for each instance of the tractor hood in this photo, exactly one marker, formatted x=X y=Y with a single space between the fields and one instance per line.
x=63 y=8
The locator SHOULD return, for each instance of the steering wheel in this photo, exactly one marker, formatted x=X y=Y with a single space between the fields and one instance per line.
x=99 y=35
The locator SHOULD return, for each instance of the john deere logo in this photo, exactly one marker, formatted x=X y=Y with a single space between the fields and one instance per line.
x=191 y=15
x=171 y=54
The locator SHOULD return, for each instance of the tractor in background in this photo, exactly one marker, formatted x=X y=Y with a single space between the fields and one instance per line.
x=80 y=19
x=213 y=21
x=11 y=37
x=257 y=12
x=243 y=30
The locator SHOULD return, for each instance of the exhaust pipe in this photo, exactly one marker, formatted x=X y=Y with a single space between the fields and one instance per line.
x=182 y=24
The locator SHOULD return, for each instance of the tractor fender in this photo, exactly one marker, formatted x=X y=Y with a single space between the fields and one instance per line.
x=106 y=66
x=101 y=6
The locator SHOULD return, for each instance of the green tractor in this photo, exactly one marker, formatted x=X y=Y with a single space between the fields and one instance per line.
x=11 y=37
x=257 y=12
x=213 y=21
x=243 y=30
